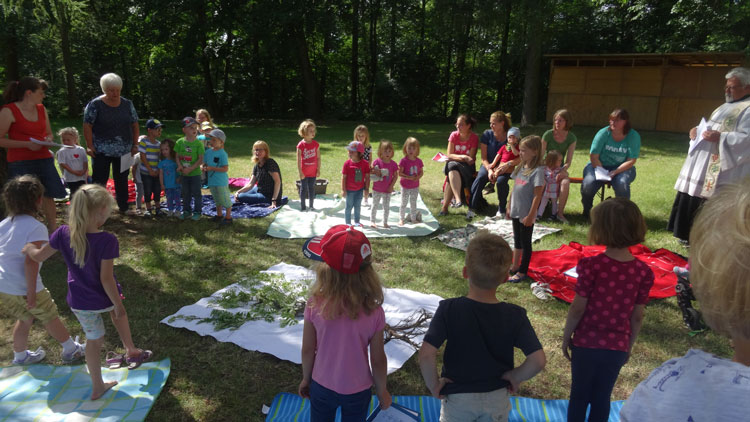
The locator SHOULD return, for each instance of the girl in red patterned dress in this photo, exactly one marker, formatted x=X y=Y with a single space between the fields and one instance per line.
x=607 y=311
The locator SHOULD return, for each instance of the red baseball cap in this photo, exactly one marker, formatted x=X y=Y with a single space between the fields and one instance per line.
x=342 y=247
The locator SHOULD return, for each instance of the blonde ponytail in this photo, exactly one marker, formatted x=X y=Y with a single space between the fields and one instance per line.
x=83 y=206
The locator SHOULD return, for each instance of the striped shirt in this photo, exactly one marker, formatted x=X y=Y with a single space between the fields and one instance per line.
x=151 y=151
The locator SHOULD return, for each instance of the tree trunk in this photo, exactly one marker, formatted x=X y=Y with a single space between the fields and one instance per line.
x=354 y=78
x=533 y=64
x=392 y=40
x=257 y=106
x=63 y=26
x=463 y=46
x=227 y=71
x=501 y=85
x=374 y=13
x=310 y=84
x=324 y=70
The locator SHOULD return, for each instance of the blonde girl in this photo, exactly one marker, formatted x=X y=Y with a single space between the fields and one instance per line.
x=93 y=289
x=410 y=170
x=528 y=188
x=384 y=174
x=202 y=115
x=343 y=318
x=362 y=134
x=308 y=162
x=72 y=159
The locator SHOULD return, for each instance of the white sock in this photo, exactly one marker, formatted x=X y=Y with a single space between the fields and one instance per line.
x=19 y=355
x=69 y=346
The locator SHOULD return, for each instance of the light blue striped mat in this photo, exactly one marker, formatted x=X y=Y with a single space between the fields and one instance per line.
x=288 y=407
x=61 y=393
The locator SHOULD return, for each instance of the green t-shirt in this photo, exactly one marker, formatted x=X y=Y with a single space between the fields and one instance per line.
x=188 y=152
x=612 y=153
x=561 y=147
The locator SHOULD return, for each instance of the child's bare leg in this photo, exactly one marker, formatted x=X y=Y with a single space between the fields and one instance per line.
x=517 y=255
x=219 y=211
x=123 y=330
x=57 y=330
x=50 y=213
x=93 y=351
x=229 y=213
x=21 y=335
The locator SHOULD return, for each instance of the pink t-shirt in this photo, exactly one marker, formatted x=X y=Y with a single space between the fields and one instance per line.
x=355 y=174
x=612 y=288
x=341 y=360
x=460 y=147
x=382 y=185
x=410 y=168
x=309 y=156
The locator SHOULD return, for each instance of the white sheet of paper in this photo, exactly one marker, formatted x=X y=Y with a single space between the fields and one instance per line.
x=572 y=272
x=440 y=157
x=126 y=162
x=702 y=127
x=45 y=143
x=602 y=174
x=394 y=414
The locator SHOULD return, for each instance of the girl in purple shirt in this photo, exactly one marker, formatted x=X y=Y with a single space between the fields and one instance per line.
x=93 y=290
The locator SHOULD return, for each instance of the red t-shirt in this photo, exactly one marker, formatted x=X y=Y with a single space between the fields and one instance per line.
x=612 y=288
x=309 y=156
x=463 y=148
x=24 y=130
x=355 y=174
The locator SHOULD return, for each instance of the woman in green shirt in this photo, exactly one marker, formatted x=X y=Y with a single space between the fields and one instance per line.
x=562 y=140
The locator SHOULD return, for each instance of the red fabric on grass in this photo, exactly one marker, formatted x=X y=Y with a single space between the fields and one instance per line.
x=131 y=190
x=550 y=266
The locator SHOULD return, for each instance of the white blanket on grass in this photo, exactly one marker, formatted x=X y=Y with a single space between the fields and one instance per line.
x=291 y=223
x=286 y=342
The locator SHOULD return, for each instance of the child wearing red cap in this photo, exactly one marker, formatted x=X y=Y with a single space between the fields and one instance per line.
x=354 y=180
x=342 y=318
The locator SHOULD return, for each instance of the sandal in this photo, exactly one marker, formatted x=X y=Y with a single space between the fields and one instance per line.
x=136 y=361
x=114 y=360
x=518 y=277
x=542 y=291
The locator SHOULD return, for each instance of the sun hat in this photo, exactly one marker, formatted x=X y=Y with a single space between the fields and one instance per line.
x=356 y=146
x=207 y=125
x=342 y=247
x=218 y=133
x=515 y=132
x=154 y=124
x=187 y=121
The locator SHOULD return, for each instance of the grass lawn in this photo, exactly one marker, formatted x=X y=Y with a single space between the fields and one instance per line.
x=163 y=267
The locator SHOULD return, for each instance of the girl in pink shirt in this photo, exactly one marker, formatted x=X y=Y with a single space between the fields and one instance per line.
x=410 y=170
x=343 y=317
x=607 y=311
x=308 y=163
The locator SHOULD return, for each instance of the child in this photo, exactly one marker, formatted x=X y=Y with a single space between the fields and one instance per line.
x=189 y=159
x=218 y=179
x=553 y=163
x=478 y=369
x=93 y=290
x=135 y=170
x=22 y=294
x=607 y=310
x=202 y=115
x=343 y=317
x=148 y=149
x=528 y=188
x=72 y=159
x=168 y=176
x=308 y=163
x=355 y=176
x=361 y=134
x=384 y=174
x=410 y=170
x=503 y=165
x=203 y=135
x=700 y=386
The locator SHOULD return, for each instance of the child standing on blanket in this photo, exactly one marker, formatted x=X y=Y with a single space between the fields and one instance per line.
x=478 y=369
x=552 y=169
x=528 y=187
x=72 y=159
x=384 y=174
x=607 y=310
x=168 y=176
x=362 y=134
x=701 y=386
x=189 y=159
x=410 y=170
x=148 y=149
x=343 y=317
x=93 y=290
x=216 y=167
x=22 y=294
x=308 y=163
x=355 y=176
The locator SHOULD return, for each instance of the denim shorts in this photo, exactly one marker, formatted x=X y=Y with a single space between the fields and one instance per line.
x=43 y=169
x=92 y=322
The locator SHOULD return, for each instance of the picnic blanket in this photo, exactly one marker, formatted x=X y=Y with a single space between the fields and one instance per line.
x=239 y=209
x=459 y=238
x=291 y=223
x=286 y=342
x=61 y=393
x=550 y=267
x=288 y=407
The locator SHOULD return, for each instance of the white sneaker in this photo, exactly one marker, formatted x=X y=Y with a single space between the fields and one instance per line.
x=470 y=214
x=31 y=357
x=78 y=353
x=500 y=214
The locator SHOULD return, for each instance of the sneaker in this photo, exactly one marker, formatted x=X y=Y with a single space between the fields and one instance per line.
x=31 y=357
x=681 y=272
x=184 y=215
x=226 y=222
x=442 y=213
x=357 y=225
x=541 y=291
x=217 y=218
x=470 y=214
x=78 y=354
x=500 y=214
x=418 y=219
x=146 y=214
x=138 y=211
x=456 y=204
x=196 y=216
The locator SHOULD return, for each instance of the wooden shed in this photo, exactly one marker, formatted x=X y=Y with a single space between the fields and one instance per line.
x=663 y=92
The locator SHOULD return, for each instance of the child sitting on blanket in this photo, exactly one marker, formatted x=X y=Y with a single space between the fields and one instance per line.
x=216 y=166
x=343 y=317
x=22 y=294
x=355 y=177
x=410 y=170
x=700 y=386
x=384 y=174
x=607 y=310
x=93 y=290
x=308 y=163
x=478 y=369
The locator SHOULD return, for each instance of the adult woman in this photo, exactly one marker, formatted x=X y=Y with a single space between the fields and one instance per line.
x=490 y=143
x=562 y=140
x=22 y=118
x=264 y=186
x=110 y=127
x=616 y=149
x=462 y=153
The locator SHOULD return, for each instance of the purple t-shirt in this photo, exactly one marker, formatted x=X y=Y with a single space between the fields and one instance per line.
x=85 y=289
x=382 y=185
x=410 y=168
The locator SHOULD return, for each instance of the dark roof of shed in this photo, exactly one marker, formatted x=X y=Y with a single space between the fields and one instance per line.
x=709 y=59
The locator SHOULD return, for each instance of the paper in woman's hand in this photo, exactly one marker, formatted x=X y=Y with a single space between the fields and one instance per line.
x=602 y=174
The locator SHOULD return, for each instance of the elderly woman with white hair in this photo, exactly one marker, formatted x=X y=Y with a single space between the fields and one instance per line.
x=110 y=127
